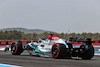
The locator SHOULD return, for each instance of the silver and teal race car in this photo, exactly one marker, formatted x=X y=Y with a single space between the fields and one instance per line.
x=56 y=47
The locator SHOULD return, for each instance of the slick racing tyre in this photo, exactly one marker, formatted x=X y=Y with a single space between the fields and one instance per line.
x=58 y=51
x=16 y=49
x=88 y=51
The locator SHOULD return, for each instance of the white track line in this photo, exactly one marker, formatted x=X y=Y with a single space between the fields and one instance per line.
x=6 y=65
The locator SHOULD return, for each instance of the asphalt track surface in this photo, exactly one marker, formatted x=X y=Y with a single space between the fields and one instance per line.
x=26 y=60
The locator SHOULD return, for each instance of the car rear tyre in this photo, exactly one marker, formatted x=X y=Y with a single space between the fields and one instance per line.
x=88 y=51
x=16 y=49
x=58 y=51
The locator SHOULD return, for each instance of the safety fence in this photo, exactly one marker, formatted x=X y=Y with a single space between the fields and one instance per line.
x=77 y=43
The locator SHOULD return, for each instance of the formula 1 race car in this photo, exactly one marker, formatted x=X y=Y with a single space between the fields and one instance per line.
x=57 y=47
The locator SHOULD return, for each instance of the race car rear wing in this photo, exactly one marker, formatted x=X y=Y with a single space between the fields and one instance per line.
x=85 y=40
x=80 y=39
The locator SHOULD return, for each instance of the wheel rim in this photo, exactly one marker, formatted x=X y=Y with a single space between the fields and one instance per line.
x=13 y=49
x=55 y=51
